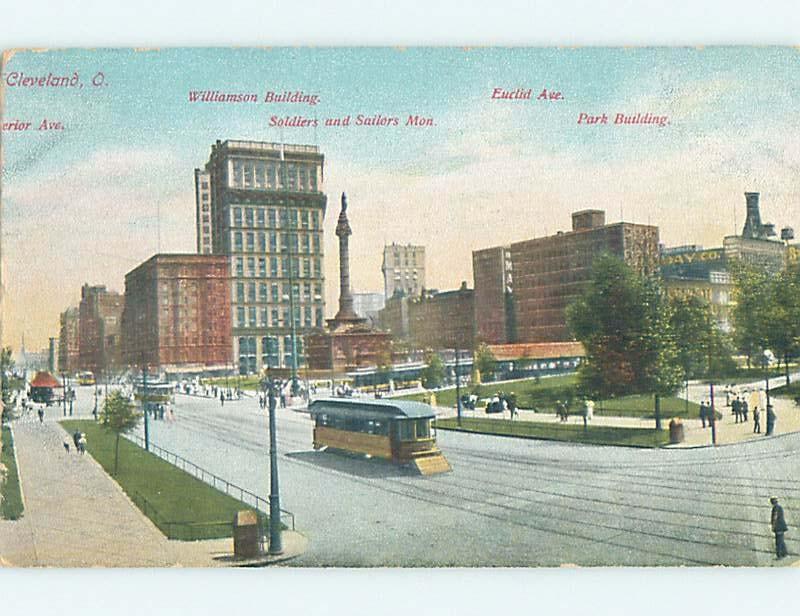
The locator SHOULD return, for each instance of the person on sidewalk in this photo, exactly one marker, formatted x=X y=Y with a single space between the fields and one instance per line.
x=756 y=420
x=771 y=417
x=82 y=444
x=41 y=414
x=737 y=410
x=703 y=412
x=66 y=445
x=778 y=523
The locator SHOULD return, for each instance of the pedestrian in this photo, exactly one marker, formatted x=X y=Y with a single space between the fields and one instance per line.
x=737 y=410
x=41 y=415
x=703 y=412
x=756 y=420
x=66 y=445
x=770 y=420
x=743 y=410
x=778 y=523
x=76 y=436
x=221 y=398
x=82 y=444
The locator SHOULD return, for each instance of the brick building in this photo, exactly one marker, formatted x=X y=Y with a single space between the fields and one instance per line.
x=178 y=312
x=261 y=205
x=99 y=329
x=443 y=320
x=550 y=273
x=69 y=349
x=494 y=312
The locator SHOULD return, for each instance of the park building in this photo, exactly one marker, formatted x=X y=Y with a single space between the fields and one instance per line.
x=522 y=291
x=261 y=205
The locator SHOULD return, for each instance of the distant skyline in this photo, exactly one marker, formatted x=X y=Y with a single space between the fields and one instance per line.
x=88 y=203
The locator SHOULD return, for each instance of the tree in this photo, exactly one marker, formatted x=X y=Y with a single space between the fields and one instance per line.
x=622 y=319
x=121 y=416
x=703 y=350
x=485 y=361
x=433 y=374
x=751 y=299
x=782 y=315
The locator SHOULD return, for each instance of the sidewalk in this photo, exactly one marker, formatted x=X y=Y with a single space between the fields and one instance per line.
x=77 y=516
x=787 y=413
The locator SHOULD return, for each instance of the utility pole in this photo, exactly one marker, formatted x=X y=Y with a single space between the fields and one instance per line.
x=275 y=538
x=145 y=407
x=713 y=415
x=291 y=235
x=458 y=389
x=64 y=387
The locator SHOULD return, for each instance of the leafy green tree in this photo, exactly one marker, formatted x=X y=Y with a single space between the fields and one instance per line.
x=485 y=361
x=752 y=301
x=121 y=416
x=703 y=350
x=6 y=365
x=622 y=319
x=783 y=315
x=433 y=374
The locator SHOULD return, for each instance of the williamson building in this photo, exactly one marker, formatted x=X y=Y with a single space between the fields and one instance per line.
x=261 y=205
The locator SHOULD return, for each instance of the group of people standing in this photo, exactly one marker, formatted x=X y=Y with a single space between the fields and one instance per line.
x=741 y=408
x=78 y=440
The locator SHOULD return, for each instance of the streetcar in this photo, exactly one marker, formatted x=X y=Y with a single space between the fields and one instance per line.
x=86 y=378
x=396 y=430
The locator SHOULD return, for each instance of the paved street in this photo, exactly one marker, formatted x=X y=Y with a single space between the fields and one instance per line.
x=508 y=502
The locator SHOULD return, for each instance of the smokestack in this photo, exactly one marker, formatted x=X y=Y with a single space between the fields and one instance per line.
x=753 y=229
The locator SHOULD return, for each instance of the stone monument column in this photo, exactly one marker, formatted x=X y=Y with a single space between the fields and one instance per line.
x=343 y=232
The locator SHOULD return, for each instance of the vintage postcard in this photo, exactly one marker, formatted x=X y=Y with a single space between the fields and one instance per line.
x=404 y=307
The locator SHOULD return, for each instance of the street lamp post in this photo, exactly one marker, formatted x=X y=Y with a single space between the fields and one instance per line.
x=275 y=539
x=64 y=396
x=458 y=389
x=145 y=407
x=713 y=414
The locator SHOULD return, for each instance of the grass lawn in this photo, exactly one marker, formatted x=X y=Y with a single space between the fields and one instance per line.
x=522 y=388
x=790 y=391
x=182 y=506
x=243 y=382
x=525 y=389
x=11 y=507
x=596 y=435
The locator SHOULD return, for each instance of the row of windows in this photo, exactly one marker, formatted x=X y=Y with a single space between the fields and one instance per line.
x=274 y=292
x=254 y=316
x=250 y=173
x=311 y=268
x=289 y=218
x=270 y=352
x=289 y=242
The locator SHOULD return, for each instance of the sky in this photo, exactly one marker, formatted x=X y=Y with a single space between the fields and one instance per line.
x=90 y=202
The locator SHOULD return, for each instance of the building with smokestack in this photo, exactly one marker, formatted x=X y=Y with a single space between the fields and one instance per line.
x=758 y=244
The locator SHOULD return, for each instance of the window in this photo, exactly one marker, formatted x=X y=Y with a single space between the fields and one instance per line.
x=260 y=175
x=273 y=266
x=240 y=316
x=306 y=291
x=262 y=242
x=248 y=175
x=275 y=292
x=262 y=292
x=315 y=219
x=270 y=351
x=248 y=216
x=319 y=317
x=307 y=316
x=271 y=217
x=236 y=179
x=318 y=268
x=293 y=240
x=306 y=243
x=284 y=242
x=307 y=268
x=271 y=176
x=304 y=219
x=285 y=266
x=291 y=177
x=260 y=217
x=251 y=313
x=237 y=217
x=317 y=291
x=251 y=266
x=316 y=242
x=312 y=185
x=237 y=241
x=293 y=215
x=251 y=293
x=262 y=267
x=240 y=292
x=251 y=241
x=284 y=218
x=240 y=267
x=276 y=320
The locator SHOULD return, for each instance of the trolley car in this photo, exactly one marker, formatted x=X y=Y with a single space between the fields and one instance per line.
x=395 y=430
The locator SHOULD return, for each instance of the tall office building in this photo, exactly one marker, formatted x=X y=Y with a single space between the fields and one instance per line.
x=69 y=341
x=202 y=192
x=266 y=214
x=403 y=270
x=99 y=327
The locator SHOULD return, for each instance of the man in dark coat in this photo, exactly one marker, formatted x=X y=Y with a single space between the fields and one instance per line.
x=778 y=527
x=770 y=420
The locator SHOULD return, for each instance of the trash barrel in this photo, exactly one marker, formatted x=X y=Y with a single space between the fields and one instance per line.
x=246 y=540
x=676 y=434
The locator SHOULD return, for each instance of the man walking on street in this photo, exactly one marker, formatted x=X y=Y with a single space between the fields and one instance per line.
x=703 y=413
x=756 y=420
x=779 y=527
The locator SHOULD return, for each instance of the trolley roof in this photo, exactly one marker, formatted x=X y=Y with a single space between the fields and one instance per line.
x=376 y=409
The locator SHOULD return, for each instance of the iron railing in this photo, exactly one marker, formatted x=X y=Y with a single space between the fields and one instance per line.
x=231 y=489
